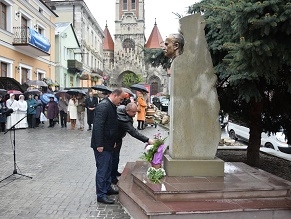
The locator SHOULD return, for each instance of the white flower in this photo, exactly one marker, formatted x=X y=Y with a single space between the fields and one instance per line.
x=150 y=146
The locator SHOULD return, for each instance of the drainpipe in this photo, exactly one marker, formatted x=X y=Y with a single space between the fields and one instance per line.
x=74 y=16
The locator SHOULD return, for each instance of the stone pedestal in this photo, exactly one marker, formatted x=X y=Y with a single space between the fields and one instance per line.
x=243 y=192
x=180 y=167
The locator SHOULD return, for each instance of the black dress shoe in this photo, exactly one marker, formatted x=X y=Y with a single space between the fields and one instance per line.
x=118 y=174
x=105 y=200
x=112 y=191
x=114 y=181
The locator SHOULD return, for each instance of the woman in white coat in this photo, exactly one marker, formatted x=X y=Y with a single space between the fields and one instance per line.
x=72 y=111
x=21 y=113
x=12 y=104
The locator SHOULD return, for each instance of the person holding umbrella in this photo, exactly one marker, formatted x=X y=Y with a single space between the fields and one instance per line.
x=91 y=103
x=52 y=111
x=2 y=114
x=22 y=112
x=81 y=110
x=38 y=110
x=72 y=110
x=63 y=108
x=11 y=103
x=31 y=111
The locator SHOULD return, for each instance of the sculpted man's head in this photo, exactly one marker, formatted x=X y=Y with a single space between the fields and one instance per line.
x=174 y=45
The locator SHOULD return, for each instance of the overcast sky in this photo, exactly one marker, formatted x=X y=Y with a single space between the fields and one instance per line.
x=162 y=10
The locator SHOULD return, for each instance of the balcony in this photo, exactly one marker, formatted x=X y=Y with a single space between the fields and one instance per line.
x=75 y=66
x=30 y=41
x=97 y=72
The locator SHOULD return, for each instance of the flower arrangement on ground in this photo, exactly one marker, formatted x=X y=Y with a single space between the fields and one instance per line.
x=154 y=155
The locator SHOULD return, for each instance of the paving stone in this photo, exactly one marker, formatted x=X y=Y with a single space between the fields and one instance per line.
x=62 y=165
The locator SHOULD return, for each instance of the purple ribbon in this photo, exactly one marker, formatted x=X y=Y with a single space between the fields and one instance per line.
x=158 y=156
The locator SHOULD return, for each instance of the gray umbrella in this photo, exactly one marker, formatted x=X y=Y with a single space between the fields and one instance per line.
x=139 y=87
x=36 y=83
x=126 y=90
x=102 y=88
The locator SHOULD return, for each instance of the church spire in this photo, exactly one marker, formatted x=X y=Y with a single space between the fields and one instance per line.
x=155 y=39
x=108 y=43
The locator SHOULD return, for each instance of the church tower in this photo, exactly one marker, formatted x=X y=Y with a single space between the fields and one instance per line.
x=129 y=40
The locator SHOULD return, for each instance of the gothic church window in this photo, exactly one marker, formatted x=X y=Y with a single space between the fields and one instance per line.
x=128 y=44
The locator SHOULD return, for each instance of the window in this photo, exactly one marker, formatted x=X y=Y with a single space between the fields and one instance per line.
x=124 y=5
x=132 y=4
x=3 y=17
x=24 y=75
x=24 y=30
x=3 y=69
x=40 y=30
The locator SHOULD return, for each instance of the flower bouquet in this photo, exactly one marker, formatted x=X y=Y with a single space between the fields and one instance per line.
x=154 y=155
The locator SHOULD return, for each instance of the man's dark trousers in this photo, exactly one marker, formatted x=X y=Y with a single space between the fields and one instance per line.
x=115 y=160
x=103 y=173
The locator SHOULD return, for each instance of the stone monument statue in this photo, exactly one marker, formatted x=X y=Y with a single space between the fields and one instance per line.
x=194 y=106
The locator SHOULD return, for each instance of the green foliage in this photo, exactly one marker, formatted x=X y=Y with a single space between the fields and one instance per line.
x=149 y=155
x=155 y=175
x=130 y=78
x=156 y=58
x=249 y=44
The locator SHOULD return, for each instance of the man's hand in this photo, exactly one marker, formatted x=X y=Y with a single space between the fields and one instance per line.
x=151 y=141
x=100 y=149
x=114 y=145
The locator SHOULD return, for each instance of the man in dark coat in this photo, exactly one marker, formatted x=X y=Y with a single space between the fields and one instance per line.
x=125 y=116
x=91 y=103
x=104 y=134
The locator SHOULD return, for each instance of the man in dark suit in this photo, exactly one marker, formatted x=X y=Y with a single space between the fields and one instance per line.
x=125 y=116
x=104 y=134
x=91 y=103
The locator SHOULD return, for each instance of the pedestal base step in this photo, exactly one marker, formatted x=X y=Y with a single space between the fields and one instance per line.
x=256 y=194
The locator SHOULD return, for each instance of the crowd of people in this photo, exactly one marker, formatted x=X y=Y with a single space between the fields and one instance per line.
x=109 y=119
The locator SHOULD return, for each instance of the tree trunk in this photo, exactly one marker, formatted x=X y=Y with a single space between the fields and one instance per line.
x=255 y=125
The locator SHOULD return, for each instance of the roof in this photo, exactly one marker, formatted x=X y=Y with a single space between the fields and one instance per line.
x=108 y=43
x=61 y=27
x=155 y=39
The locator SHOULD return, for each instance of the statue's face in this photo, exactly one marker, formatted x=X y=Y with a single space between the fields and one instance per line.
x=170 y=47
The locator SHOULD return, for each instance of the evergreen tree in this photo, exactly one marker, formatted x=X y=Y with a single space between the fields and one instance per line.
x=249 y=42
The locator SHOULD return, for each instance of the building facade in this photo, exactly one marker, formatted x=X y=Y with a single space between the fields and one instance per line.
x=89 y=35
x=67 y=62
x=27 y=40
x=124 y=55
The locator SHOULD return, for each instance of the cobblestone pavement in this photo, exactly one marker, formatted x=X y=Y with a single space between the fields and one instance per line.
x=62 y=166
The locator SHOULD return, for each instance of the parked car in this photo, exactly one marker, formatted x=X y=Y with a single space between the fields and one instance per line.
x=276 y=141
x=161 y=102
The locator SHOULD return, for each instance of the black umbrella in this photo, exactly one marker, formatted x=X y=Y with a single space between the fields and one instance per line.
x=31 y=92
x=59 y=93
x=139 y=87
x=76 y=92
x=102 y=88
x=3 y=92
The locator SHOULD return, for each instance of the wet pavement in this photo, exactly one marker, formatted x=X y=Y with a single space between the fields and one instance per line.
x=62 y=166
